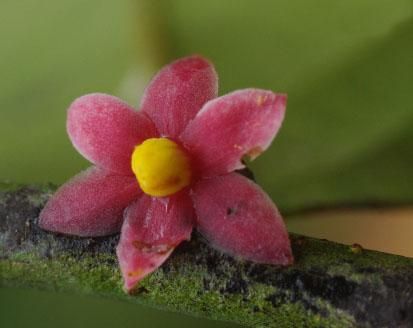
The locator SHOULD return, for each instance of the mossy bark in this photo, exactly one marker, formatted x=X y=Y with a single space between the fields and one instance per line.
x=330 y=285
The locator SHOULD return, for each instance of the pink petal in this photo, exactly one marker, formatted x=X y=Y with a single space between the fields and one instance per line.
x=105 y=130
x=90 y=204
x=178 y=92
x=227 y=128
x=238 y=218
x=153 y=227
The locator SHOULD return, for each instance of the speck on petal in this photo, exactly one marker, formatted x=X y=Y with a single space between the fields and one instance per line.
x=178 y=92
x=105 y=130
x=153 y=227
x=238 y=218
x=241 y=123
x=90 y=204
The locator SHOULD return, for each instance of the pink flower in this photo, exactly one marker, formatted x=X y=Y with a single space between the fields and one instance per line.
x=161 y=171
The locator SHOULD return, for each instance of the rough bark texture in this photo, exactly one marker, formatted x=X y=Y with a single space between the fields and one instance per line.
x=331 y=285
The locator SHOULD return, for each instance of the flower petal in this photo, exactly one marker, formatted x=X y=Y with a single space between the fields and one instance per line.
x=105 y=130
x=227 y=128
x=178 y=92
x=90 y=204
x=153 y=227
x=238 y=218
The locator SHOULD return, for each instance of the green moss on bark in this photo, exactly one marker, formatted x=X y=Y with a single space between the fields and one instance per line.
x=330 y=285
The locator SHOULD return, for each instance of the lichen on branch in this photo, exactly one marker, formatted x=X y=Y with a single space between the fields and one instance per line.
x=329 y=285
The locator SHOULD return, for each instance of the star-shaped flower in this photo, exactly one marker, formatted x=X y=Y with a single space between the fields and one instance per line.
x=161 y=171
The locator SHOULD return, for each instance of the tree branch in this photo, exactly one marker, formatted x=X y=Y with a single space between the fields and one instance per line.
x=330 y=284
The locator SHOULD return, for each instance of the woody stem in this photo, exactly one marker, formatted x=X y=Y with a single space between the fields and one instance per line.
x=329 y=285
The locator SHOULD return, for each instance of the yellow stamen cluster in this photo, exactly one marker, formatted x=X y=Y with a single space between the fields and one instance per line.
x=161 y=167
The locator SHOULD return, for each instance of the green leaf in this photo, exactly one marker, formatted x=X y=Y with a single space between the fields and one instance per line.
x=348 y=70
x=347 y=67
x=51 y=53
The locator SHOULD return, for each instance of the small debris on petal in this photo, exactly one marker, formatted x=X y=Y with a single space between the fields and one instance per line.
x=135 y=273
x=261 y=99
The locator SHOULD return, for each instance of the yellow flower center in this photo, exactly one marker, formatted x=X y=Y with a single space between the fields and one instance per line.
x=161 y=167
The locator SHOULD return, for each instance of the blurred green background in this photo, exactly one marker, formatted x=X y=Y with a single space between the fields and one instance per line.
x=347 y=67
